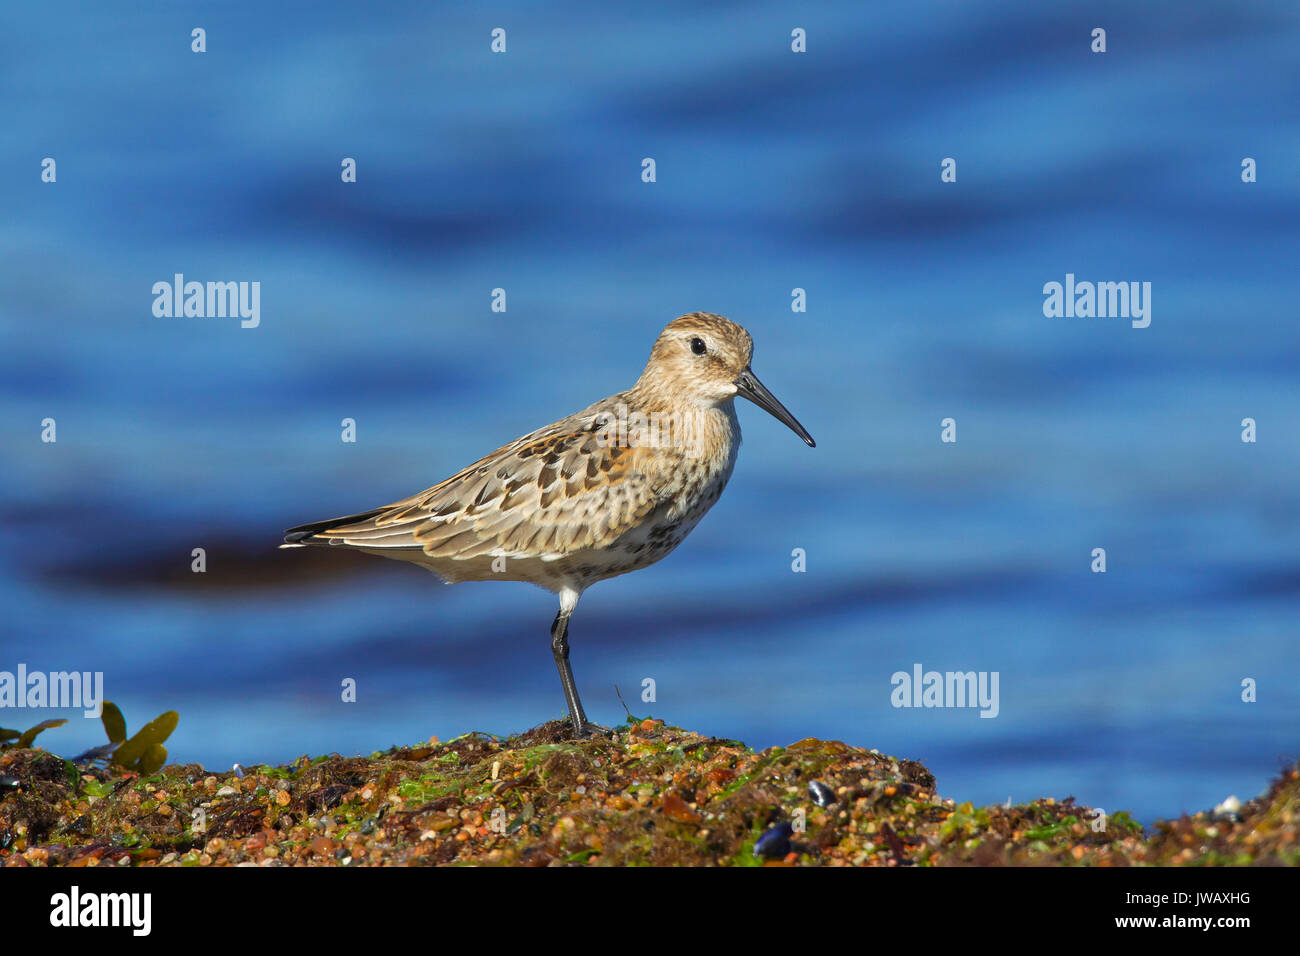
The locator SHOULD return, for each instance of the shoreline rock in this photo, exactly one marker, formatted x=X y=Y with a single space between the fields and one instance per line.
x=646 y=794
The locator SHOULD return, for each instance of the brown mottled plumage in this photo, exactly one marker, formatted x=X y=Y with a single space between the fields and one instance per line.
x=608 y=490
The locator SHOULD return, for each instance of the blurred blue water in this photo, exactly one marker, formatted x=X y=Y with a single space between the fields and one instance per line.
x=775 y=171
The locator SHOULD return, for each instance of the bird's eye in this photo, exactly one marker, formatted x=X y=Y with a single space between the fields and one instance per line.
x=697 y=346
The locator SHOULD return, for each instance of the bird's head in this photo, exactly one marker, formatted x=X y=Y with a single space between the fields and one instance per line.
x=703 y=359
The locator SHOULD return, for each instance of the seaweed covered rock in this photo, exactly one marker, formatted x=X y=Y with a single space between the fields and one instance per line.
x=646 y=793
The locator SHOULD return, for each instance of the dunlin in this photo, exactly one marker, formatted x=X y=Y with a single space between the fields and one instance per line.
x=608 y=490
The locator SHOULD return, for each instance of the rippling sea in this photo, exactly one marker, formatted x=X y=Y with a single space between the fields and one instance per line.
x=775 y=171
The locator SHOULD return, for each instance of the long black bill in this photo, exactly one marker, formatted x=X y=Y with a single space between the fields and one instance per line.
x=754 y=390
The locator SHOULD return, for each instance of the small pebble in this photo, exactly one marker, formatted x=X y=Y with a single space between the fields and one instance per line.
x=821 y=794
x=775 y=842
x=1229 y=809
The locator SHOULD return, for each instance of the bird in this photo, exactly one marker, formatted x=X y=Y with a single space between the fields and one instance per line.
x=607 y=490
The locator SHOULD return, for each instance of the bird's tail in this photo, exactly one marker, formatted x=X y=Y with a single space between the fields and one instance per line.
x=317 y=533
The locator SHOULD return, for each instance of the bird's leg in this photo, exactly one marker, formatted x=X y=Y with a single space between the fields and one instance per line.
x=560 y=650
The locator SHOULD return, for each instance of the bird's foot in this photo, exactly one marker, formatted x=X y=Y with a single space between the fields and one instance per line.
x=588 y=731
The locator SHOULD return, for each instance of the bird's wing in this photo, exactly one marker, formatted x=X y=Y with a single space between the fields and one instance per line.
x=551 y=493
